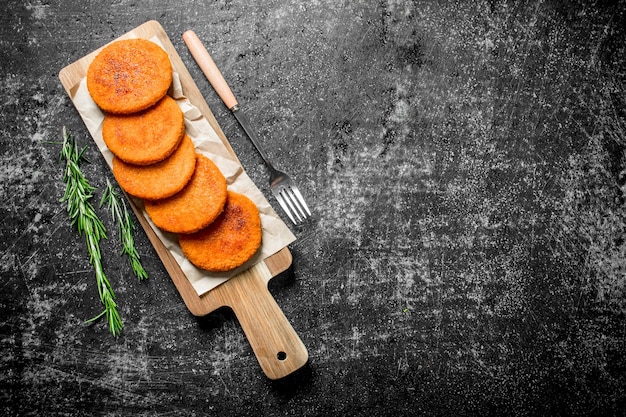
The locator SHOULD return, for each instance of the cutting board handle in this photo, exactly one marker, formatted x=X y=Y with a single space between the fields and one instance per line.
x=275 y=343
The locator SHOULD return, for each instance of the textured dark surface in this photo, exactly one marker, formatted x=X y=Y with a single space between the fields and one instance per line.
x=466 y=165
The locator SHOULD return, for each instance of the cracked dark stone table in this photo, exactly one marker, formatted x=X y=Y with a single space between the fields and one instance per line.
x=466 y=166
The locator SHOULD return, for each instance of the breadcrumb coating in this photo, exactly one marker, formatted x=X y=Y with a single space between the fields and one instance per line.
x=145 y=137
x=161 y=180
x=230 y=241
x=129 y=75
x=196 y=205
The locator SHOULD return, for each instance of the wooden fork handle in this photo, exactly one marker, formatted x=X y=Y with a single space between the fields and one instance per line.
x=210 y=70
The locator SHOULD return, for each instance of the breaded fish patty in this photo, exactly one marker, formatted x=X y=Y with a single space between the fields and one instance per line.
x=230 y=241
x=129 y=75
x=196 y=205
x=145 y=137
x=160 y=180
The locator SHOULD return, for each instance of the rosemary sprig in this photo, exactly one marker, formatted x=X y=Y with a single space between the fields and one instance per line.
x=125 y=228
x=78 y=193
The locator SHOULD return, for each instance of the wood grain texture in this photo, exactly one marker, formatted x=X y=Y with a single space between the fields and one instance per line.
x=276 y=345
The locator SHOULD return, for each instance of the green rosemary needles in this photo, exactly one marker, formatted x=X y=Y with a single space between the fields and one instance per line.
x=77 y=196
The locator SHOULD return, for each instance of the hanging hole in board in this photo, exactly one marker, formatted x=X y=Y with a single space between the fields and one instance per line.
x=281 y=356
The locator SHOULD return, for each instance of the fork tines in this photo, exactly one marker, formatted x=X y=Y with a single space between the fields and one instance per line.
x=292 y=202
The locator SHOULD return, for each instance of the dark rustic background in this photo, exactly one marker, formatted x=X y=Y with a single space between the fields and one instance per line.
x=466 y=165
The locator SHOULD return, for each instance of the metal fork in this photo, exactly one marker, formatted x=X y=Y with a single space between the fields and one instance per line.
x=284 y=189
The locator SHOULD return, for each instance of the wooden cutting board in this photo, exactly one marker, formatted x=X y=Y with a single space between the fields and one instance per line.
x=276 y=345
